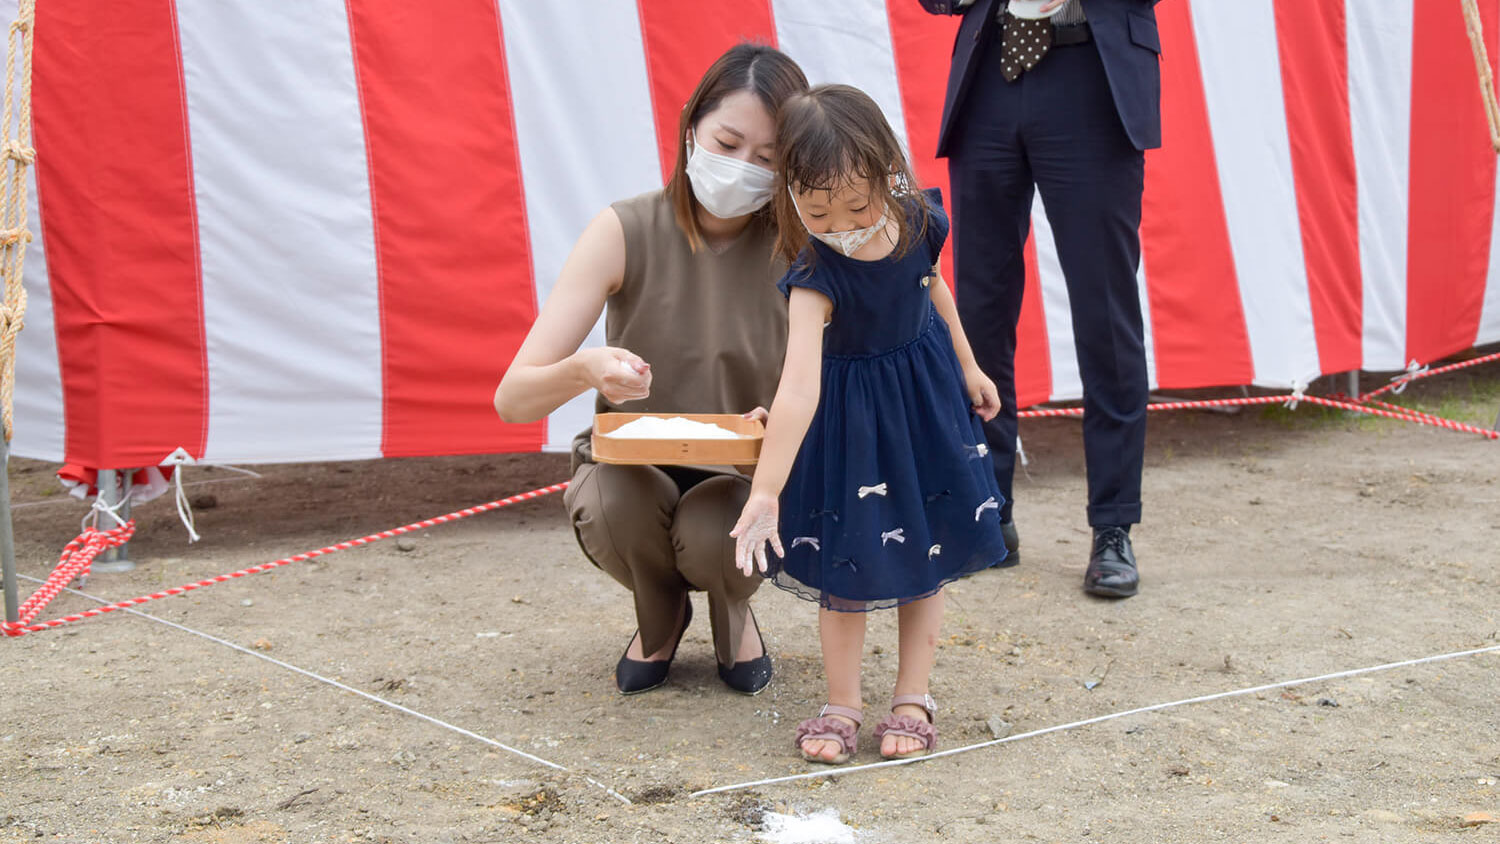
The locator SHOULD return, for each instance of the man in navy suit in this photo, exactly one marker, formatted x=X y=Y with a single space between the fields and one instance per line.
x=1065 y=105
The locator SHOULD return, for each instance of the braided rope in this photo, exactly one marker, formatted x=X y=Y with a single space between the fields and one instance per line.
x=1420 y=414
x=1482 y=61
x=1398 y=381
x=1386 y=411
x=79 y=553
x=16 y=155
x=77 y=557
x=23 y=627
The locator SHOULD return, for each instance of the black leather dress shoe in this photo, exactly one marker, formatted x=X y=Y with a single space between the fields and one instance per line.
x=633 y=676
x=1012 y=546
x=751 y=676
x=1111 y=572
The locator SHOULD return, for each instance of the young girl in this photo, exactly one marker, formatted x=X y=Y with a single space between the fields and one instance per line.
x=874 y=466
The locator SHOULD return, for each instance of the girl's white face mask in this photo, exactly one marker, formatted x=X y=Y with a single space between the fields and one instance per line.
x=727 y=187
x=847 y=242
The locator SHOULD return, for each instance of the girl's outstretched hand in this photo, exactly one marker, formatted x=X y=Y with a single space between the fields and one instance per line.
x=982 y=393
x=756 y=527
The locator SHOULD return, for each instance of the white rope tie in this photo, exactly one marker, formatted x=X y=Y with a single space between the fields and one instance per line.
x=184 y=508
x=1402 y=381
x=890 y=535
x=807 y=540
x=179 y=459
x=91 y=518
x=252 y=473
x=1299 y=392
x=878 y=489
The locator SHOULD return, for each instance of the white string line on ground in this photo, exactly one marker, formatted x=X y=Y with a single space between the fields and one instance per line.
x=68 y=499
x=366 y=695
x=849 y=769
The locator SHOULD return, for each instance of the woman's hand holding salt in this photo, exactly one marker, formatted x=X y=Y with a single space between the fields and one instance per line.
x=618 y=374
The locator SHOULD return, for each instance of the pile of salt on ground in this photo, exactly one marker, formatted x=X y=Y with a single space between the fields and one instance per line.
x=823 y=827
x=674 y=428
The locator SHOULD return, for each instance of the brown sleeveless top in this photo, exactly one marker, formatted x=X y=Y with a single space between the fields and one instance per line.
x=712 y=325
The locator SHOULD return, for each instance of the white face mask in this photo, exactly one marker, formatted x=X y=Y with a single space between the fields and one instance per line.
x=847 y=242
x=727 y=187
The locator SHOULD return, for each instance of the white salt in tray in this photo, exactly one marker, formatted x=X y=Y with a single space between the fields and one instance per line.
x=666 y=439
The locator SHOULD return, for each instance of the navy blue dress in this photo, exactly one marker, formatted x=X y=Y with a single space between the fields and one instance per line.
x=893 y=492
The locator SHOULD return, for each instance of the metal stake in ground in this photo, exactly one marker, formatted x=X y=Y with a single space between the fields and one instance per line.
x=7 y=537
x=114 y=491
x=16 y=156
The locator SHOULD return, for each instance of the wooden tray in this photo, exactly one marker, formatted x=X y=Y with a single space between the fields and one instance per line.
x=632 y=452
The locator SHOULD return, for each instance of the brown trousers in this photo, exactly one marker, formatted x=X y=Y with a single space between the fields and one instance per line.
x=662 y=532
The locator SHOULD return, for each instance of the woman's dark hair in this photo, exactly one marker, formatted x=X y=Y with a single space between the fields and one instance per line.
x=829 y=136
x=764 y=71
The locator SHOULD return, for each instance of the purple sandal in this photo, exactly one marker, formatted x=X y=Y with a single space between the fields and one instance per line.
x=829 y=728
x=906 y=725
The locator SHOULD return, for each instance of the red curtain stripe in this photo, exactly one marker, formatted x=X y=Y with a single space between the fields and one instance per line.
x=1313 y=52
x=1197 y=319
x=456 y=289
x=115 y=179
x=682 y=38
x=1452 y=187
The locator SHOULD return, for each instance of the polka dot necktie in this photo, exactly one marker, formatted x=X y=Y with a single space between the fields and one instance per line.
x=1024 y=42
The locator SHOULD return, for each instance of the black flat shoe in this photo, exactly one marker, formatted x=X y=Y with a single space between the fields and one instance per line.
x=633 y=676
x=753 y=675
x=1112 y=572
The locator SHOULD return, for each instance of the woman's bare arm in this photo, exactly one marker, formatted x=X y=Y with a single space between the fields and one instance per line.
x=549 y=369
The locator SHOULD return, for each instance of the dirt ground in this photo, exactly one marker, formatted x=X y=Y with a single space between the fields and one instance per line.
x=1276 y=546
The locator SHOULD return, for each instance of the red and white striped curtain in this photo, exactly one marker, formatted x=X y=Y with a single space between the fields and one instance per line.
x=275 y=231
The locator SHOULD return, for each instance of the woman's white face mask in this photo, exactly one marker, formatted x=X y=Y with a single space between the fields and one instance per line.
x=727 y=187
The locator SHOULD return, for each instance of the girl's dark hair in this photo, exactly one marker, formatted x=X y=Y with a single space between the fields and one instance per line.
x=764 y=71
x=829 y=136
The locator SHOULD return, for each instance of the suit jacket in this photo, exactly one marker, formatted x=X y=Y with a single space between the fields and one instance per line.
x=1125 y=31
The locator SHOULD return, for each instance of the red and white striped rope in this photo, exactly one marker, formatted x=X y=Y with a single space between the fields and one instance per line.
x=61 y=578
x=1407 y=378
x=1381 y=409
x=1421 y=415
x=80 y=553
x=1390 y=411
x=77 y=557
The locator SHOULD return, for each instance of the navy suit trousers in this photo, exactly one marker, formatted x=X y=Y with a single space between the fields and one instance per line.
x=1056 y=130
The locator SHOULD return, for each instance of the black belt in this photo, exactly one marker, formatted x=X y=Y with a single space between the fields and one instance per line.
x=1067 y=36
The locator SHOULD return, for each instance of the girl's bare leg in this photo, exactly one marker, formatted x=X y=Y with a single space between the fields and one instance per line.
x=843 y=638
x=919 y=623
